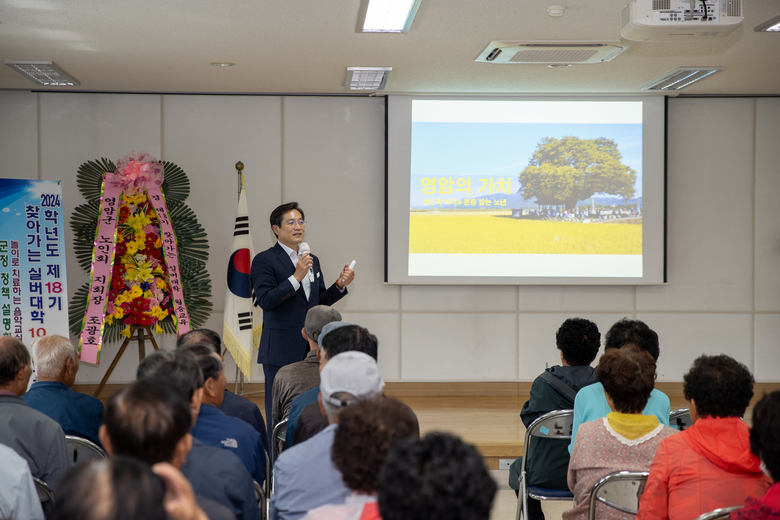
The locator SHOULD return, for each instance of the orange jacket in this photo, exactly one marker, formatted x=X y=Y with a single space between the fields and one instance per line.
x=705 y=467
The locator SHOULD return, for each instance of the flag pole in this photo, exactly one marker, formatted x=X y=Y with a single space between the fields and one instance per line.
x=239 y=388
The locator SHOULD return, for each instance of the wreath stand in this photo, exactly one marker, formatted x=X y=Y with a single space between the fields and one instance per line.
x=139 y=334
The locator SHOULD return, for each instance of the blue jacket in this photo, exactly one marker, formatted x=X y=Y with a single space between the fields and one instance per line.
x=284 y=310
x=296 y=409
x=78 y=414
x=242 y=408
x=217 y=429
x=221 y=477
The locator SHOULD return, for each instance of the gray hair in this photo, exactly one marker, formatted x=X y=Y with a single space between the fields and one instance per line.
x=50 y=353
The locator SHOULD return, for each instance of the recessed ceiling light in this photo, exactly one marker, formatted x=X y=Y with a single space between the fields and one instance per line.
x=43 y=73
x=680 y=78
x=772 y=25
x=559 y=65
x=366 y=78
x=386 y=16
x=556 y=10
x=222 y=63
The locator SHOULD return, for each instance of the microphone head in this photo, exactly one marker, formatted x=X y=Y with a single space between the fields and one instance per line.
x=303 y=247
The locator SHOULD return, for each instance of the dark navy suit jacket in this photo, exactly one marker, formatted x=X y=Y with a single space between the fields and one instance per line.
x=284 y=310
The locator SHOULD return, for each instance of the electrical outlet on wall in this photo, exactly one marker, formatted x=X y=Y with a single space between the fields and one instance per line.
x=505 y=463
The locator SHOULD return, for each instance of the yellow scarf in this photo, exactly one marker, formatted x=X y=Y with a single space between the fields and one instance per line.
x=630 y=425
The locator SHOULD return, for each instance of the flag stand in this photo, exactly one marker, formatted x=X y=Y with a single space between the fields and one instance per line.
x=138 y=334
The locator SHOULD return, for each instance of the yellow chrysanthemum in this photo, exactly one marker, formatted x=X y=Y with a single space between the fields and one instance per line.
x=119 y=313
x=148 y=294
x=161 y=284
x=132 y=248
x=135 y=292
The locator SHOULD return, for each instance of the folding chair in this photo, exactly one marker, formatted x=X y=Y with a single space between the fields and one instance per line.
x=260 y=497
x=680 y=419
x=718 y=514
x=82 y=449
x=277 y=446
x=45 y=494
x=619 y=490
x=553 y=425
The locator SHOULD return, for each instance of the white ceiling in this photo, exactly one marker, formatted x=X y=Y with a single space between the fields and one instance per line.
x=304 y=46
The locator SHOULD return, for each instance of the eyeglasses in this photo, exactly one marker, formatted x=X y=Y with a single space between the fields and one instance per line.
x=292 y=223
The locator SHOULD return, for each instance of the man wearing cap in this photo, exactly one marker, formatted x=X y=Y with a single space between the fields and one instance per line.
x=292 y=380
x=305 y=476
x=306 y=420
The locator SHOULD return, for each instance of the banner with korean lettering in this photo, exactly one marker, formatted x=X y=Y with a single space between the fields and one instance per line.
x=33 y=282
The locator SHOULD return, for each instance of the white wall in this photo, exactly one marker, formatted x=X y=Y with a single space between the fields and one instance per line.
x=328 y=154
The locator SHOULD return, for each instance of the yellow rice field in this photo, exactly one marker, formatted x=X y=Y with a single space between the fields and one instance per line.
x=496 y=232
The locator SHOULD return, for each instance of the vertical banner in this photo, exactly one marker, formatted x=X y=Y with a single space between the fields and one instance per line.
x=33 y=282
x=238 y=328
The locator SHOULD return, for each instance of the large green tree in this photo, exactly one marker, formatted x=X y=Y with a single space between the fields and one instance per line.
x=567 y=170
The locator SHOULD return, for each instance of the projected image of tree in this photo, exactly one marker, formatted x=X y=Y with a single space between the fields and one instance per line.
x=568 y=170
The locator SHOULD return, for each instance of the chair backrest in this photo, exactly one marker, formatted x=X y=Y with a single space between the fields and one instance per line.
x=279 y=434
x=45 y=494
x=81 y=449
x=552 y=425
x=680 y=419
x=620 y=490
x=718 y=514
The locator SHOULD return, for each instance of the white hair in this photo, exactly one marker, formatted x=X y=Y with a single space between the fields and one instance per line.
x=50 y=353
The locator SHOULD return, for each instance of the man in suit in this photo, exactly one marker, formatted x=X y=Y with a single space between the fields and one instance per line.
x=285 y=292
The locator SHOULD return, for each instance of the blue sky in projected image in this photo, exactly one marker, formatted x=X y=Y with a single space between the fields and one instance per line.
x=501 y=150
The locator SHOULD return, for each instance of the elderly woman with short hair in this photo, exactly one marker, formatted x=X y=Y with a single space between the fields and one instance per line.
x=624 y=440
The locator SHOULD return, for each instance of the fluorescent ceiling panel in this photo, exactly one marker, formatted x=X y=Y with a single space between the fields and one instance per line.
x=680 y=78
x=45 y=73
x=387 y=16
x=772 y=25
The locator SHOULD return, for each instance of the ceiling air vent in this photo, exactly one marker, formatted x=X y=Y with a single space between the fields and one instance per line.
x=551 y=52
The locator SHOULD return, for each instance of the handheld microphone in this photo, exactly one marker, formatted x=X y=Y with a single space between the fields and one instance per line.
x=351 y=266
x=303 y=247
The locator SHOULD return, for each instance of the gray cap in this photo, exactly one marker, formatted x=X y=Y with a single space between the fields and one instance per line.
x=352 y=372
x=318 y=317
x=333 y=325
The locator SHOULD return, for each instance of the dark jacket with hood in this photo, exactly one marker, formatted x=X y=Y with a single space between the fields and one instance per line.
x=548 y=461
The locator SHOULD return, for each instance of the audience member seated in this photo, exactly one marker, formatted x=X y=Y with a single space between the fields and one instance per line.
x=578 y=341
x=624 y=440
x=18 y=496
x=306 y=420
x=438 y=477
x=151 y=421
x=232 y=405
x=212 y=472
x=292 y=380
x=765 y=444
x=56 y=364
x=217 y=429
x=591 y=404
x=124 y=488
x=38 y=439
x=709 y=465
x=367 y=432
x=304 y=475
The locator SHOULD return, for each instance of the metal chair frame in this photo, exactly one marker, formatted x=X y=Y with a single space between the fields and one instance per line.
x=93 y=451
x=612 y=482
x=680 y=419
x=561 y=422
x=718 y=514
x=276 y=448
x=45 y=494
x=260 y=497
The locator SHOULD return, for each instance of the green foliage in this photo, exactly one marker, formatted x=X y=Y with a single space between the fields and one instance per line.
x=190 y=236
x=567 y=170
